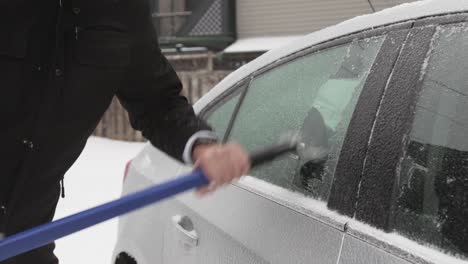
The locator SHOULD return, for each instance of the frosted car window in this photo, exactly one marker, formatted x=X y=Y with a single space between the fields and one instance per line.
x=431 y=196
x=313 y=96
x=218 y=117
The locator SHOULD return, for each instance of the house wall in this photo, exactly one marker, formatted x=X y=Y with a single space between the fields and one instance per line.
x=298 y=17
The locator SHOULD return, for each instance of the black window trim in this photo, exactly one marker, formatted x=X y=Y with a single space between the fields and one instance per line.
x=375 y=209
x=354 y=152
x=372 y=90
x=384 y=151
x=452 y=18
x=211 y=106
x=403 y=253
x=368 y=33
x=236 y=110
x=397 y=29
x=239 y=88
x=221 y=98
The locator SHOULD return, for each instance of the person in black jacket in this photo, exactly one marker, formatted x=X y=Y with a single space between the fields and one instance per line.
x=61 y=63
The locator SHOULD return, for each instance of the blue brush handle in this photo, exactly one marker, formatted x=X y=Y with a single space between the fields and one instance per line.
x=47 y=233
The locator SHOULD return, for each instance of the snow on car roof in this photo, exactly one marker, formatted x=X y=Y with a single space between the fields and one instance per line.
x=392 y=15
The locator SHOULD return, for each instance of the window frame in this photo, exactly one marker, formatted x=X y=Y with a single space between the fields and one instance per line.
x=374 y=204
x=354 y=153
x=386 y=145
x=376 y=194
x=238 y=88
x=373 y=88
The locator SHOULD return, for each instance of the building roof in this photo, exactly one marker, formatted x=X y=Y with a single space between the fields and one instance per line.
x=259 y=44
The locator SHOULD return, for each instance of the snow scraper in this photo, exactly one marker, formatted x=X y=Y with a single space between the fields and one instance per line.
x=47 y=233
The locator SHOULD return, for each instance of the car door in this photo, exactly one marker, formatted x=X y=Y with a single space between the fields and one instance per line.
x=415 y=181
x=279 y=213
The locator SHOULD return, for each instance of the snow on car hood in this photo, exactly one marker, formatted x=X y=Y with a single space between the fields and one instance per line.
x=392 y=15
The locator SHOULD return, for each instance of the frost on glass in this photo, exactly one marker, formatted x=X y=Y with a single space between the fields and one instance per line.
x=313 y=96
x=219 y=118
x=431 y=203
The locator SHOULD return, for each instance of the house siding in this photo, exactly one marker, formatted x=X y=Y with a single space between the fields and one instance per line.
x=298 y=17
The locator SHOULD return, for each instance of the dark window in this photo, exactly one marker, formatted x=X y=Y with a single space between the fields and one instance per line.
x=314 y=97
x=431 y=194
x=171 y=15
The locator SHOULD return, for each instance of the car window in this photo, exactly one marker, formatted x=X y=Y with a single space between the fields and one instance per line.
x=431 y=194
x=314 y=97
x=219 y=116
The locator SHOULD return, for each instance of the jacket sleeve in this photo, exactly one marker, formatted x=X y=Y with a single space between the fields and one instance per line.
x=151 y=95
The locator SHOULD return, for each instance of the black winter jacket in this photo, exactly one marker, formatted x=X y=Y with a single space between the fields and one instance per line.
x=61 y=63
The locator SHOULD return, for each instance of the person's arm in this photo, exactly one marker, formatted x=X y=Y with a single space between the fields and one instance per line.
x=151 y=95
x=156 y=108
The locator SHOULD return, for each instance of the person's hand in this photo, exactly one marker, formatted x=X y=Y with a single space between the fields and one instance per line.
x=221 y=164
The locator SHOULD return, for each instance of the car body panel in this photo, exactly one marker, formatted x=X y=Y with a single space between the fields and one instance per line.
x=354 y=251
x=263 y=221
x=250 y=223
x=393 y=244
x=212 y=246
x=151 y=166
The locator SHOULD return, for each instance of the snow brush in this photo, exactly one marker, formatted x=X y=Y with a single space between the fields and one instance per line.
x=47 y=233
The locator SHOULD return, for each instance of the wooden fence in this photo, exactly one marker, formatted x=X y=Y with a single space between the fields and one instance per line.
x=115 y=124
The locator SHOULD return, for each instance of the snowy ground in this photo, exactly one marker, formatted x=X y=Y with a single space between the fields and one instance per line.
x=94 y=179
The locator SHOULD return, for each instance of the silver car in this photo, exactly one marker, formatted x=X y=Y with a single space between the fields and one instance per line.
x=385 y=98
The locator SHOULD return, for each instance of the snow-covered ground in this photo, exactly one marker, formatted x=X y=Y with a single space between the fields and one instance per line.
x=94 y=179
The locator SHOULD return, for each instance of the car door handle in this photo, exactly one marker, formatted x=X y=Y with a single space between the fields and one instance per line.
x=185 y=230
